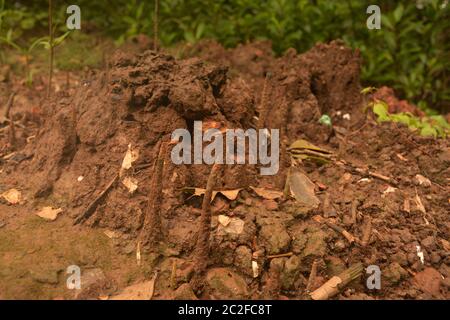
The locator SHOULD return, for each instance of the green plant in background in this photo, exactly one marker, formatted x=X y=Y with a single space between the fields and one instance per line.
x=411 y=52
x=25 y=51
x=435 y=126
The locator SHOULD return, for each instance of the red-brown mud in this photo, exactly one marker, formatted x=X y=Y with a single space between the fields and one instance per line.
x=140 y=100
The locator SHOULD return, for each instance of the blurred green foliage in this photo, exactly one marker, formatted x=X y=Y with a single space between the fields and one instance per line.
x=435 y=126
x=411 y=53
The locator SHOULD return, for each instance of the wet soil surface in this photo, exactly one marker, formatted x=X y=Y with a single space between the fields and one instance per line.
x=92 y=151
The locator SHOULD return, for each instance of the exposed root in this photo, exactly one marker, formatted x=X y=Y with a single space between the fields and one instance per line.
x=201 y=251
x=151 y=232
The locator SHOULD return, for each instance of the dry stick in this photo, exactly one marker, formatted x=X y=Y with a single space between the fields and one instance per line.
x=337 y=283
x=312 y=275
x=201 y=251
x=347 y=235
x=12 y=131
x=152 y=231
x=94 y=204
x=326 y=205
x=155 y=26
x=12 y=135
x=376 y=175
x=16 y=124
x=354 y=210
x=50 y=31
x=367 y=231
x=351 y=167
x=8 y=106
x=313 y=153
x=281 y=255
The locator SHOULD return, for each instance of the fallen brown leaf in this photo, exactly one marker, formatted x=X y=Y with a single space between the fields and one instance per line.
x=13 y=196
x=49 y=213
x=267 y=193
x=229 y=194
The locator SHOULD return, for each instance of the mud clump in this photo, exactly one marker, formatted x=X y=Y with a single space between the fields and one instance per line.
x=100 y=147
x=140 y=101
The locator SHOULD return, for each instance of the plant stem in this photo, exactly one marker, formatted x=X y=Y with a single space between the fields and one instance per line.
x=50 y=32
x=155 y=26
x=12 y=131
x=27 y=70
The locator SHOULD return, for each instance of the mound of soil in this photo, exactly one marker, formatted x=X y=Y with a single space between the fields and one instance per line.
x=75 y=160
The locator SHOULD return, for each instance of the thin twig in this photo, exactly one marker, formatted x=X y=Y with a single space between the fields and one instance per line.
x=354 y=210
x=12 y=135
x=94 y=204
x=50 y=32
x=281 y=255
x=155 y=26
x=5 y=116
x=347 y=235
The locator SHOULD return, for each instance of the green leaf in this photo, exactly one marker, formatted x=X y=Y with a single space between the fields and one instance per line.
x=381 y=110
x=368 y=90
x=401 y=118
x=428 y=130
x=398 y=13
x=60 y=39
x=325 y=119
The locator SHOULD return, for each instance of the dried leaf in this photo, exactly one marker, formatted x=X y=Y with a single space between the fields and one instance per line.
x=302 y=149
x=49 y=213
x=419 y=203
x=111 y=234
x=229 y=194
x=130 y=157
x=131 y=184
x=303 y=144
x=267 y=193
x=13 y=196
x=302 y=189
x=389 y=189
x=235 y=226
x=224 y=220
x=423 y=181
